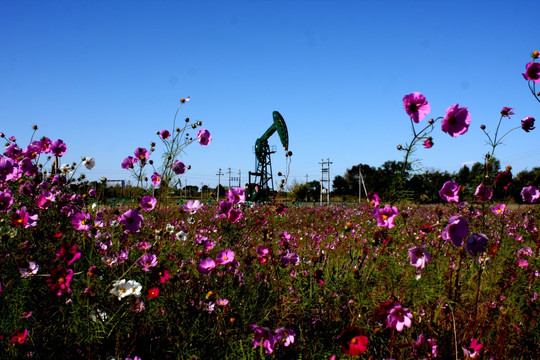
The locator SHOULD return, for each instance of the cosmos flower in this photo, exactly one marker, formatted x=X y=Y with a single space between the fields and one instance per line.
x=224 y=257
x=178 y=167
x=527 y=124
x=507 y=111
x=473 y=349
x=456 y=230
x=153 y=292
x=449 y=191
x=89 y=163
x=385 y=216
x=483 y=193
x=204 y=137
x=476 y=244
x=419 y=257
x=156 y=179
x=81 y=221
x=148 y=202
x=373 y=199
x=428 y=143
x=416 y=106
x=532 y=71
x=164 y=134
x=457 y=121
x=498 y=209
x=123 y=288
x=353 y=342
x=206 y=266
x=236 y=195
x=129 y=162
x=398 y=317
x=59 y=280
x=19 y=336
x=147 y=261
x=192 y=206
x=58 y=147
x=131 y=220
x=530 y=194
x=263 y=337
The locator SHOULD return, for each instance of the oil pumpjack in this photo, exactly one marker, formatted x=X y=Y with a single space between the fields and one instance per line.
x=261 y=185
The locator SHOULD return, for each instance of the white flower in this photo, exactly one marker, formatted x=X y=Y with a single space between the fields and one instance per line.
x=89 y=163
x=98 y=315
x=169 y=228
x=94 y=206
x=32 y=269
x=123 y=288
x=182 y=236
x=65 y=169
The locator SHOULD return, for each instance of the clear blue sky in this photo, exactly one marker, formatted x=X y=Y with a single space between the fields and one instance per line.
x=104 y=76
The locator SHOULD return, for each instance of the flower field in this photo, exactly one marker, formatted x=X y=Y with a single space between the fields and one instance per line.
x=153 y=279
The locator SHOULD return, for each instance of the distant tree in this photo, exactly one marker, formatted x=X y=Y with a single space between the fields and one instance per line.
x=340 y=186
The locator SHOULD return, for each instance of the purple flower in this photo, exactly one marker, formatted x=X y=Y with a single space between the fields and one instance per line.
x=58 y=147
x=483 y=193
x=59 y=280
x=148 y=203
x=527 y=124
x=131 y=220
x=147 y=261
x=236 y=195
x=8 y=169
x=81 y=221
x=234 y=215
x=456 y=230
x=530 y=194
x=473 y=349
x=476 y=244
x=398 y=317
x=419 y=257
x=129 y=163
x=192 y=206
x=264 y=337
x=385 y=216
x=224 y=257
x=285 y=336
x=532 y=71
x=178 y=167
x=428 y=143
x=206 y=266
x=204 y=137
x=164 y=134
x=507 y=111
x=498 y=209
x=416 y=106
x=6 y=200
x=457 y=121
x=449 y=191
x=142 y=154
x=373 y=199
x=156 y=179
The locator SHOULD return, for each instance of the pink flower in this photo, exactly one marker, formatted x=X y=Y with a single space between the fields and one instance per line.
x=428 y=143
x=527 y=124
x=153 y=292
x=147 y=261
x=156 y=179
x=8 y=169
x=285 y=336
x=81 y=221
x=353 y=342
x=18 y=336
x=164 y=134
x=398 y=317
x=483 y=193
x=416 y=106
x=142 y=154
x=148 y=203
x=131 y=220
x=498 y=209
x=457 y=121
x=419 y=257
x=532 y=72
x=224 y=257
x=236 y=195
x=58 y=147
x=129 y=162
x=204 y=137
x=385 y=216
x=449 y=191
x=373 y=199
x=178 y=167
x=192 y=206
x=23 y=218
x=530 y=194
x=507 y=111
x=68 y=253
x=473 y=349
x=456 y=230
x=263 y=336
x=59 y=280
x=206 y=266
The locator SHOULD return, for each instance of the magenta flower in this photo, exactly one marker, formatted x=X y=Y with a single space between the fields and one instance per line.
x=156 y=179
x=473 y=349
x=236 y=195
x=234 y=215
x=59 y=280
x=527 y=124
x=449 y=191
x=164 y=134
x=285 y=336
x=58 y=147
x=373 y=199
x=31 y=269
x=419 y=257
x=264 y=337
x=131 y=220
x=385 y=216
x=45 y=199
x=8 y=169
x=147 y=261
x=507 y=111
x=398 y=317
x=129 y=162
x=456 y=230
x=178 y=167
x=192 y=206
x=148 y=203
x=457 y=121
x=81 y=221
x=68 y=253
x=428 y=143
x=498 y=209
x=6 y=200
x=224 y=257
x=532 y=71
x=18 y=336
x=476 y=244
x=206 y=266
x=142 y=154
x=416 y=106
x=23 y=218
x=483 y=193
x=530 y=194
x=204 y=137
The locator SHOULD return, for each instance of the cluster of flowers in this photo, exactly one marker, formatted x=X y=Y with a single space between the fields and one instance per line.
x=267 y=339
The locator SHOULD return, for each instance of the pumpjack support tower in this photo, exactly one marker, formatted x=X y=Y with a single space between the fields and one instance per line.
x=261 y=184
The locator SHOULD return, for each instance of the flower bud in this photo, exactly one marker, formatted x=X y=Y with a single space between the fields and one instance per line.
x=483 y=127
x=535 y=54
x=35 y=127
x=431 y=121
x=103 y=179
x=399 y=147
x=187 y=119
x=199 y=123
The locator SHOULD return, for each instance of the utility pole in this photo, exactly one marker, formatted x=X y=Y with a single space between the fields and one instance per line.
x=219 y=183
x=361 y=184
x=239 y=178
x=325 y=171
x=201 y=190
x=229 y=178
